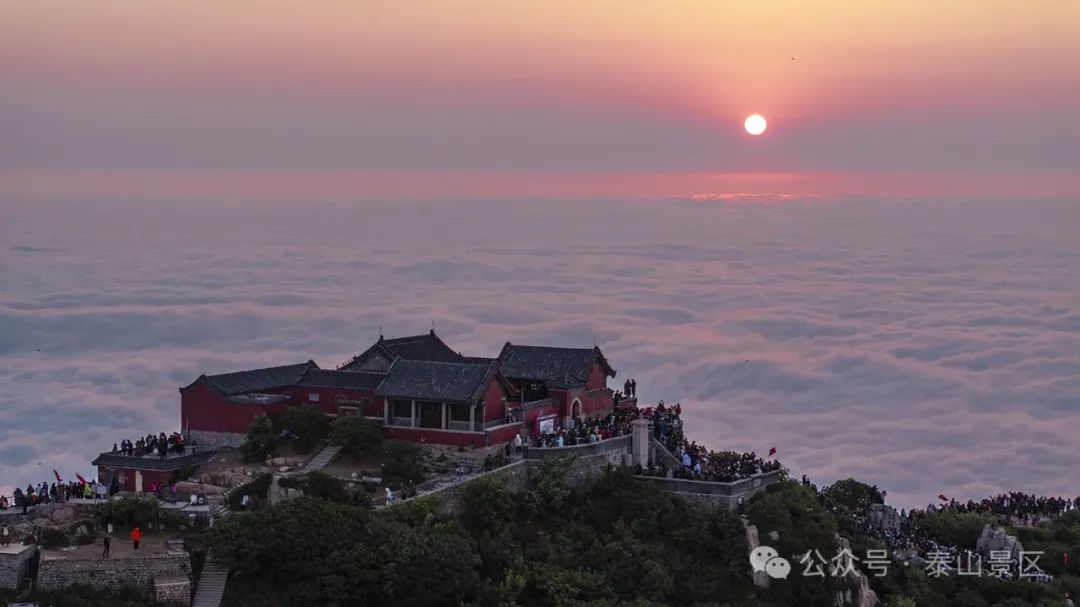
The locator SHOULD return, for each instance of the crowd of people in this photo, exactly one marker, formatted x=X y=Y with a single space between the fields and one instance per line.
x=907 y=537
x=56 y=492
x=160 y=445
x=1016 y=505
x=696 y=461
x=592 y=430
x=52 y=492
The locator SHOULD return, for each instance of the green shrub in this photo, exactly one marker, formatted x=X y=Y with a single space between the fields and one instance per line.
x=131 y=511
x=54 y=538
x=306 y=423
x=257 y=488
x=403 y=466
x=260 y=440
x=356 y=435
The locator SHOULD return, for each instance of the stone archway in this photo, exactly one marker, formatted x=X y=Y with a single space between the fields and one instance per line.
x=575 y=409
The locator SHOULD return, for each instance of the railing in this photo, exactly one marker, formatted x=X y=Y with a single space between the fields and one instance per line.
x=618 y=443
x=739 y=487
x=153 y=462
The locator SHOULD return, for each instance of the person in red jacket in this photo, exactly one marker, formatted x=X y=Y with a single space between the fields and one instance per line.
x=136 y=535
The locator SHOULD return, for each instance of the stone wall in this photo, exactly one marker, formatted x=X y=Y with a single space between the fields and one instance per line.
x=710 y=493
x=448 y=497
x=620 y=444
x=584 y=471
x=207 y=440
x=57 y=572
x=14 y=565
x=172 y=590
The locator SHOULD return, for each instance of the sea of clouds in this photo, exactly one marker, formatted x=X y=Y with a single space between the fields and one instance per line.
x=925 y=346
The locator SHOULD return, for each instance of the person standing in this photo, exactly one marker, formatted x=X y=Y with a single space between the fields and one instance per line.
x=136 y=536
x=108 y=542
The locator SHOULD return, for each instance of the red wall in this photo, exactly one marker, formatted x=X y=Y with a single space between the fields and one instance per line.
x=328 y=399
x=598 y=403
x=415 y=435
x=201 y=408
x=493 y=402
x=149 y=477
x=205 y=409
x=503 y=435
x=534 y=414
x=597 y=377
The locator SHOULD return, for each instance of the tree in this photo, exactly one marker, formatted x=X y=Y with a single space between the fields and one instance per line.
x=960 y=529
x=323 y=486
x=130 y=511
x=356 y=435
x=488 y=506
x=852 y=496
x=304 y=424
x=548 y=495
x=260 y=440
x=403 y=466
x=257 y=489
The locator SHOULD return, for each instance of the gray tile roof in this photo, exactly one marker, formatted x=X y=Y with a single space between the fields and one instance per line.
x=557 y=367
x=437 y=381
x=344 y=380
x=153 y=462
x=414 y=347
x=256 y=380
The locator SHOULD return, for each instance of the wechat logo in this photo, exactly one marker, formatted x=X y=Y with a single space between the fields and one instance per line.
x=765 y=558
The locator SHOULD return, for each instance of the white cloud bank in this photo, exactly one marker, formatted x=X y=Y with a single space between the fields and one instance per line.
x=928 y=347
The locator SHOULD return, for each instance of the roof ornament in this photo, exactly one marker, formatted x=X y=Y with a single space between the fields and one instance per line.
x=380 y=333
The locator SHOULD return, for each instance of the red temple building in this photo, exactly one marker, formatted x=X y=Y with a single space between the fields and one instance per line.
x=415 y=388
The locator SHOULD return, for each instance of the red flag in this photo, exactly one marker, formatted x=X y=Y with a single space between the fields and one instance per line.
x=772 y=452
x=81 y=479
x=941 y=496
x=57 y=475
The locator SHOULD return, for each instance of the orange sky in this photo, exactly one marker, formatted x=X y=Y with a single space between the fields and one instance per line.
x=488 y=90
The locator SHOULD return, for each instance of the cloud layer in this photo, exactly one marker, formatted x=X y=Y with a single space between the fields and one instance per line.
x=928 y=347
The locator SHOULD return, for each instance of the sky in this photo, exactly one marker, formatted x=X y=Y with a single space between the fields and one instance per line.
x=883 y=285
x=238 y=99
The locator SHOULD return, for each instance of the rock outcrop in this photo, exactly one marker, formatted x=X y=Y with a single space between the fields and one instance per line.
x=994 y=539
x=856 y=591
x=761 y=579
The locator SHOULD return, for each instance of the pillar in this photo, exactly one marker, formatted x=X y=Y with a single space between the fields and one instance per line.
x=472 y=417
x=639 y=441
x=412 y=414
x=445 y=424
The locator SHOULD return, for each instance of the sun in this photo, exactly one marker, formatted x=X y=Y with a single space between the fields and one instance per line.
x=755 y=124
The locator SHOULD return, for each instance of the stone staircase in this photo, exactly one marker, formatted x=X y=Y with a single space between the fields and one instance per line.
x=323 y=458
x=211 y=585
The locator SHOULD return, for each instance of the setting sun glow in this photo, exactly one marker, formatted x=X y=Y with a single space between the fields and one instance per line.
x=755 y=124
